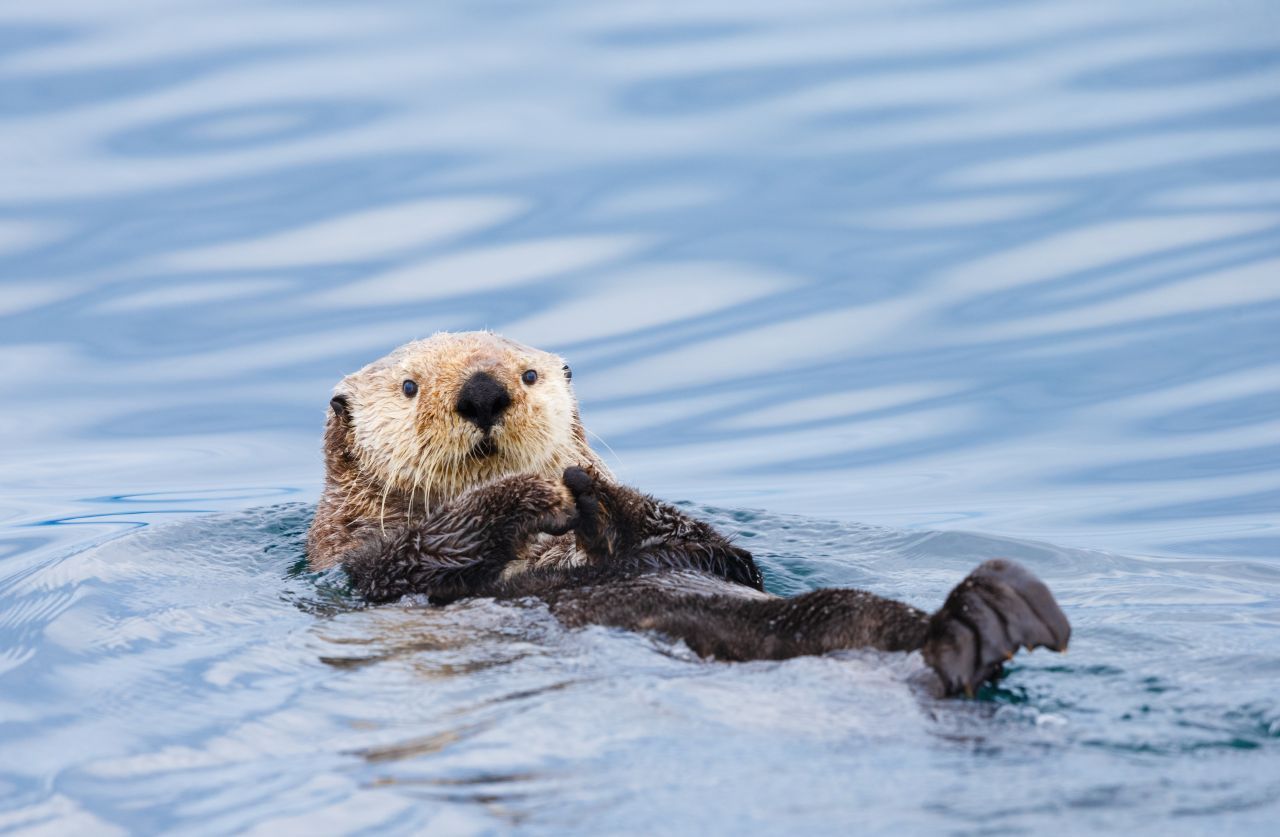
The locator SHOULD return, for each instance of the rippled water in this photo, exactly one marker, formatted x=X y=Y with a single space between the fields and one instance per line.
x=885 y=287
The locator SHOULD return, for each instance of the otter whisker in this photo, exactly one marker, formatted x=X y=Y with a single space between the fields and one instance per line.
x=447 y=488
x=426 y=493
x=382 y=511
x=608 y=447
x=425 y=481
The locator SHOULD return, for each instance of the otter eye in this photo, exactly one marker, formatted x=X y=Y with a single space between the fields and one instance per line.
x=410 y=388
x=530 y=377
x=568 y=373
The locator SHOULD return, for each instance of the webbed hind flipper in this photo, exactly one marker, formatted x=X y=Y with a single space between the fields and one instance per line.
x=1000 y=607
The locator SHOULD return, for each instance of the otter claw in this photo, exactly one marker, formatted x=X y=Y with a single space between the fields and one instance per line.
x=998 y=609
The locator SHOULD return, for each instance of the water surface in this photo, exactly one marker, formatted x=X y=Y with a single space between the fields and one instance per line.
x=886 y=288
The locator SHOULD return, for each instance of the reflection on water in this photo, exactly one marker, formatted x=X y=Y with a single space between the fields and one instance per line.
x=1008 y=268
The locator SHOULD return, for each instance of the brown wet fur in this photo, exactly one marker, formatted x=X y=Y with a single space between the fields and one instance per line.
x=541 y=518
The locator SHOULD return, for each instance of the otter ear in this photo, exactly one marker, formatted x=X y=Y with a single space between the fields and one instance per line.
x=341 y=408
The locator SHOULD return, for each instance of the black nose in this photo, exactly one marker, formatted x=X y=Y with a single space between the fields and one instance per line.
x=482 y=401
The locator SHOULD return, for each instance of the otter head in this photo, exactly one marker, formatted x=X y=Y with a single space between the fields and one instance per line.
x=438 y=416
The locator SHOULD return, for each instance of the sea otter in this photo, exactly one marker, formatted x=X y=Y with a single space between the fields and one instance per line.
x=458 y=466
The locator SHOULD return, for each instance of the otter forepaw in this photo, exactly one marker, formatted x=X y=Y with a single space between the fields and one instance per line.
x=514 y=507
x=601 y=512
x=998 y=609
x=588 y=515
x=563 y=519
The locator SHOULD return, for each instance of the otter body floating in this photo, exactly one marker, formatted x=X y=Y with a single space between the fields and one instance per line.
x=457 y=466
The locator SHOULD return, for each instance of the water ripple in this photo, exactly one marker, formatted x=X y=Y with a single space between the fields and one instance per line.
x=971 y=277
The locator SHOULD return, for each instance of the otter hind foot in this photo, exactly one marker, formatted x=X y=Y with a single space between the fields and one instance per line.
x=999 y=608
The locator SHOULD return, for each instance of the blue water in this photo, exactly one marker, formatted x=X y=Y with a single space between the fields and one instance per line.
x=886 y=288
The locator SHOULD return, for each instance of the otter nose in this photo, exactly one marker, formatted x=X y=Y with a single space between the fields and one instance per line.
x=482 y=400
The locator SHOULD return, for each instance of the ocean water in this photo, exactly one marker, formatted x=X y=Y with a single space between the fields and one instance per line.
x=885 y=288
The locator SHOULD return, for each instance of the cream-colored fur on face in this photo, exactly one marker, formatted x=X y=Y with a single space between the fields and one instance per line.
x=402 y=456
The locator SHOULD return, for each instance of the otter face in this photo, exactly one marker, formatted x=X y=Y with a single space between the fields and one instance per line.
x=440 y=415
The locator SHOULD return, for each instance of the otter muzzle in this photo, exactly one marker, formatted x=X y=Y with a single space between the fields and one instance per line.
x=483 y=400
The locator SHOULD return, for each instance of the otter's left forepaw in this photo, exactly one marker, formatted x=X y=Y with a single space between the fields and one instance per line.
x=998 y=609
x=588 y=520
x=604 y=513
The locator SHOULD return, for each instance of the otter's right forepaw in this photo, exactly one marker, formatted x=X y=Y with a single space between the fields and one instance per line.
x=510 y=509
x=998 y=609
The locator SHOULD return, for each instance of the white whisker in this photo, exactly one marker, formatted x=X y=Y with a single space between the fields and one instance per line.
x=382 y=512
x=612 y=452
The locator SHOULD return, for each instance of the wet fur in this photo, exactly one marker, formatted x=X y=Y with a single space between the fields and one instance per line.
x=650 y=567
x=542 y=518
